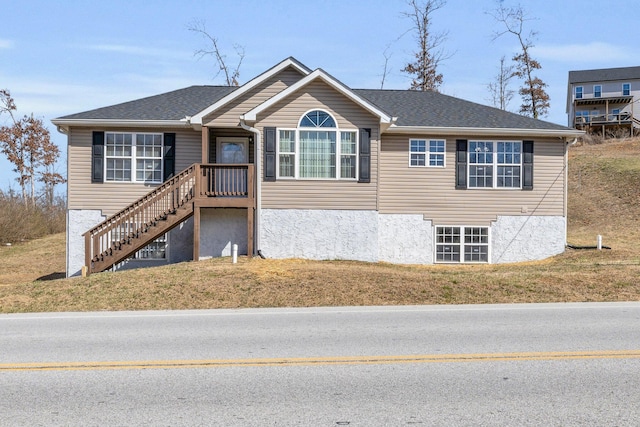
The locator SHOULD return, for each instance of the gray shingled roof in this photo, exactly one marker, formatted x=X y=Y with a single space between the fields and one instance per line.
x=418 y=108
x=173 y=105
x=413 y=108
x=604 y=74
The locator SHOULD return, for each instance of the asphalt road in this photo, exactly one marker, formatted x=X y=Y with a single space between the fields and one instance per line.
x=542 y=364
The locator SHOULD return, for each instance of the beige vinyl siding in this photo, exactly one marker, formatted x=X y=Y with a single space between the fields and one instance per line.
x=430 y=191
x=229 y=115
x=110 y=197
x=321 y=194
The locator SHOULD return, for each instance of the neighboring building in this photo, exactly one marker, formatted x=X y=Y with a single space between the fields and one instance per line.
x=296 y=164
x=603 y=101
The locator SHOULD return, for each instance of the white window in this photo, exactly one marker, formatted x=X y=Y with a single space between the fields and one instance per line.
x=133 y=157
x=287 y=150
x=119 y=156
x=597 y=91
x=626 y=89
x=317 y=149
x=153 y=251
x=462 y=244
x=424 y=152
x=579 y=92
x=495 y=164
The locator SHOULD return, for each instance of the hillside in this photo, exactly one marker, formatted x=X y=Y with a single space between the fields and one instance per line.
x=604 y=194
x=604 y=187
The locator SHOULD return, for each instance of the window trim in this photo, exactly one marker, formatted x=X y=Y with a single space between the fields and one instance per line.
x=115 y=237
x=495 y=165
x=134 y=157
x=578 y=93
x=462 y=244
x=166 y=251
x=597 y=93
x=338 y=153
x=628 y=85
x=427 y=153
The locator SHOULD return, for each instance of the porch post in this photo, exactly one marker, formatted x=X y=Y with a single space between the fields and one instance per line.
x=87 y=252
x=196 y=232
x=205 y=144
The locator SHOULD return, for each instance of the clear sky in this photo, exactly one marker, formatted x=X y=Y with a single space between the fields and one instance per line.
x=60 y=57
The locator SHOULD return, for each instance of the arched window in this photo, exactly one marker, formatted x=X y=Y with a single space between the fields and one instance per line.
x=317 y=149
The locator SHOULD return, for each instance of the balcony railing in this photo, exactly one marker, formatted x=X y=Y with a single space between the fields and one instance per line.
x=593 y=118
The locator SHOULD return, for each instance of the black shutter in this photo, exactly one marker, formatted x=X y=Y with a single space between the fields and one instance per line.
x=169 y=157
x=365 y=155
x=97 y=157
x=269 y=154
x=461 y=164
x=527 y=165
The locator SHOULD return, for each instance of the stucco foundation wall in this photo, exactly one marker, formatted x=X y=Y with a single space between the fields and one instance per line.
x=181 y=242
x=79 y=221
x=405 y=239
x=319 y=234
x=220 y=229
x=527 y=238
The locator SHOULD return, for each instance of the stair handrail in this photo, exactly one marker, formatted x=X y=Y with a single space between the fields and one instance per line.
x=136 y=217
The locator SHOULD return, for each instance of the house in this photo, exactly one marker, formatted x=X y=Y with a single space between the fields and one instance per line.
x=603 y=101
x=296 y=164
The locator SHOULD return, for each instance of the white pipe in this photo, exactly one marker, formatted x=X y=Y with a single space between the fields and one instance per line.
x=257 y=163
x=234 y=253
x=599 y=242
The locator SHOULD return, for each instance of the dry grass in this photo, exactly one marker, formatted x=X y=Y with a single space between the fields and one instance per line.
x=604 y=183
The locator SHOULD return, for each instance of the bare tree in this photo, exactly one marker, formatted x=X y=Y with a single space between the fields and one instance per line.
x=499 y=90
x=535 y=100
x=385 y=69
x=231 y=74
x=7 y=105
x=429 y=54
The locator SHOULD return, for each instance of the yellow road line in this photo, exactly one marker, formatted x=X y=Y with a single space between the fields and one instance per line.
x=316 y=361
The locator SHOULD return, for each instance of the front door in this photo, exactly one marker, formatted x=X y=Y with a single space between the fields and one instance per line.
x=232 y=150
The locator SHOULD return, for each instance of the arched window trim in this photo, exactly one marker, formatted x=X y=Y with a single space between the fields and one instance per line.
x=318 y=121
x=345 y=154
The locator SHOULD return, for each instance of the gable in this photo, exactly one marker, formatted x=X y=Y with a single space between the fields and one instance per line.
x=317 y=95
x=228 y=115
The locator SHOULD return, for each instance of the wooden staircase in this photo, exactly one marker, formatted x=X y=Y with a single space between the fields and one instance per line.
x=123 y=234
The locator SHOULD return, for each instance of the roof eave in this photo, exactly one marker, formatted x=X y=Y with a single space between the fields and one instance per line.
x=110 y=123
x=474 y=131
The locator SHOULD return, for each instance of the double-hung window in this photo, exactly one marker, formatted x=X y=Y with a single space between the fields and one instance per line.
x=317 y=149
x=133 y=157
x=462 y=244
x=626 y=89
x=579 y=90
x=495 y=164
x=423 y=152
x=597 y=91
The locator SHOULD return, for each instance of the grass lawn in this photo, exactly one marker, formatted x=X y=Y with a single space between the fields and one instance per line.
x=604 y=198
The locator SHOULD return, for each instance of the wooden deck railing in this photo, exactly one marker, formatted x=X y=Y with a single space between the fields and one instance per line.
x=137 y=225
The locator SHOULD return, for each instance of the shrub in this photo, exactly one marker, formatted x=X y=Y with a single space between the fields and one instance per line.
x=21 y=221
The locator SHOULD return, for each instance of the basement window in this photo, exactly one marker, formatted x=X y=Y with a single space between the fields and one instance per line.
x=462 y=244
